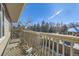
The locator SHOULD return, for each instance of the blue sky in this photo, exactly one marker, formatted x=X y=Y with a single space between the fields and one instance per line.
x=50 y=12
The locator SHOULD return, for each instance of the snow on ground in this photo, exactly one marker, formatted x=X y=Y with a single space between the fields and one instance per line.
x=76 y=46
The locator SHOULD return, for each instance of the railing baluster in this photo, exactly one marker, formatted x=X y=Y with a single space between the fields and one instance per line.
x=40 y=46
x=63 y=48
x=45 y=45
x=49 y=47
x=57 y=48
x=53 y=47
x=71 y=50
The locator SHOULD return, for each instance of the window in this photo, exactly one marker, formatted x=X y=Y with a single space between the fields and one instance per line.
x=1 y=21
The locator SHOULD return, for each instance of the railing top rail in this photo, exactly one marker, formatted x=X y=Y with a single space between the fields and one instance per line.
x=69 y=38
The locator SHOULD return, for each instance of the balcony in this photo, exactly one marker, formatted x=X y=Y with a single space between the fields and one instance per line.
x=30 y=43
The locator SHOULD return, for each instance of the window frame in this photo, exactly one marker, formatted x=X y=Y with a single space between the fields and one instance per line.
x=2 y=29
x=0 y=20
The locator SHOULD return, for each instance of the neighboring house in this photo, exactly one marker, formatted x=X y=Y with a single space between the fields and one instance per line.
x=8 y=13
x=74 y=31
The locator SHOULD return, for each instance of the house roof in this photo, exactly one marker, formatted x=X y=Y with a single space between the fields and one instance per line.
x=76 y=29
x=14 y=10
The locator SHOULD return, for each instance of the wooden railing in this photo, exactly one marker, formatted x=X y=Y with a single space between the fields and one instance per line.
x=50 y=44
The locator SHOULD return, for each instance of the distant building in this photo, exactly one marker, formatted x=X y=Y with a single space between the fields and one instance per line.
x=74 y=31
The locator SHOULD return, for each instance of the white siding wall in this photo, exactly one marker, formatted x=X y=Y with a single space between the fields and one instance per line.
x=4 y=40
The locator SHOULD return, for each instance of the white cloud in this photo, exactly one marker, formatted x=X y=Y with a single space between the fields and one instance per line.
x=57 y=13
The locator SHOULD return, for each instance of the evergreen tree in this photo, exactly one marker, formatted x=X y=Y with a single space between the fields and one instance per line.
x=51 y=29
x=64 y=29
x=38 y=27
x=34 y=27
x=42 y=26
x=46 y=27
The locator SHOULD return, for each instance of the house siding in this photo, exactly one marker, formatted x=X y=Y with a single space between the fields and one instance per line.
x=4 y=41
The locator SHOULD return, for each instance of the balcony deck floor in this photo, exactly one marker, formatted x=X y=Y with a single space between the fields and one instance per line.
x=13 y=49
